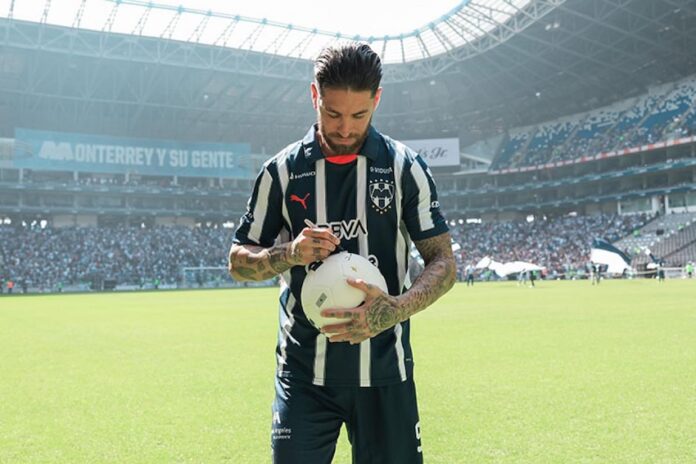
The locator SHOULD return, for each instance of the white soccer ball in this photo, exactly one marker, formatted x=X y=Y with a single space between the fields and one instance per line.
x=325 y=285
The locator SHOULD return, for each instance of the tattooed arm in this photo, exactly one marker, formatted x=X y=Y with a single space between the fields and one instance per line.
x=381 y=311
x=253 y=262
x=437 y=278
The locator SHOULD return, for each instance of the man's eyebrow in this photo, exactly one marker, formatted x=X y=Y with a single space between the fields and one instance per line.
x=359 y=113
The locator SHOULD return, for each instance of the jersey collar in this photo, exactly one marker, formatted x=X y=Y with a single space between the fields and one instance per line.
x=312 y=151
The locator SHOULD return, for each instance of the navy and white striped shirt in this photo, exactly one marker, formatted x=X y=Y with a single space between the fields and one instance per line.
x=375 y=205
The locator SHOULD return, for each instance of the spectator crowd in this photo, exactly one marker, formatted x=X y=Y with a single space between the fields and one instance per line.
x=49 y=258
x=668 y=112
x=46 y=259
x=560 y=244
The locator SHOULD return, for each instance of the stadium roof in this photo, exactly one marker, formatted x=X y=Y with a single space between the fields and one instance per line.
x=400 y=31
x=554 y=58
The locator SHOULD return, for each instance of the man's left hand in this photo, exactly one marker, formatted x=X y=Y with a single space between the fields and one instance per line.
x=380 y=311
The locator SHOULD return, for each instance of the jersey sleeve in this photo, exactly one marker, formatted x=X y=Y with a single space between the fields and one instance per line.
x=262 y=222
x=421 y=213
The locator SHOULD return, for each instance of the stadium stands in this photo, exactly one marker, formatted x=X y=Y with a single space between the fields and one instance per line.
x=660 y=228
x=671 y=238
x=48 y=258
x=667 y=112
x=561 y=244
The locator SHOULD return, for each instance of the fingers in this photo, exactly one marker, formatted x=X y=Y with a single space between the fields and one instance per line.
x=314 y=245
x=345 y=332
x=316 y=248
x=341 y=313
x=333 y=329
x=351 y=329
x=322 y=234
x=341 y=329
x=321 y=243
x=309 y=253
x=369 y=289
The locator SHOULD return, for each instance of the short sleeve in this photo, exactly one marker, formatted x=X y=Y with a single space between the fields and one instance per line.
x=262 y=222
x=421 y=213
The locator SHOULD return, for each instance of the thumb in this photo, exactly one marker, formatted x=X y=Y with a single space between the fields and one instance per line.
x=369 y=289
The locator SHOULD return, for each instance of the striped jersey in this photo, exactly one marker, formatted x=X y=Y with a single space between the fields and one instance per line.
x=376 y=205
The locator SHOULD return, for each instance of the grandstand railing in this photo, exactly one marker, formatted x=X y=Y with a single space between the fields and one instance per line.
x=605 y=175
x=581 y=200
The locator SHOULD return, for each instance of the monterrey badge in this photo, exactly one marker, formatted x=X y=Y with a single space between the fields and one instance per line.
x=381 y=194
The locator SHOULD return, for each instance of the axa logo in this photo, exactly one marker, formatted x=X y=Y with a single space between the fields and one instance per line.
x=302 y=201
x=346 y=229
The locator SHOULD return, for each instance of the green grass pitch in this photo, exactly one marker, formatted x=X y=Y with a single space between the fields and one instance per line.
x=562 y=373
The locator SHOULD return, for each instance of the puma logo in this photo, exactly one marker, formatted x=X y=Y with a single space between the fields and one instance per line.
x=302 y=201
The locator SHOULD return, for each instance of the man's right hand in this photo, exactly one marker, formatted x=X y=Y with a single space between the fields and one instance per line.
x=312 y=244
x=252 y=262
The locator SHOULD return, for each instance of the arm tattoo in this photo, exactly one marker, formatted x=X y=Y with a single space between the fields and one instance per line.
x=277 y=259
x=436 y=279
x=385 y=312
x=250 y=262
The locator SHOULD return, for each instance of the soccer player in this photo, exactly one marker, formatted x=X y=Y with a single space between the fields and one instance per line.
x=372 y=195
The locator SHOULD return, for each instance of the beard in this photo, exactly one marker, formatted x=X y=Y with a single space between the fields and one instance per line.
x=332 y=147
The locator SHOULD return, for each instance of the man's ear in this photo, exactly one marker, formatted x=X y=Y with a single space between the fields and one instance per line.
x=315 y=94
x=378 y=96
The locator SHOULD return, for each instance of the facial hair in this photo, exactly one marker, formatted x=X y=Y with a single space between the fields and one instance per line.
x=332 y=149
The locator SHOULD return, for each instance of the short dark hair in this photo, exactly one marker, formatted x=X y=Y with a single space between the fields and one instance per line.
x=348 y=65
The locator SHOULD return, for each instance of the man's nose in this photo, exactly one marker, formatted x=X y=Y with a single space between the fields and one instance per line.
x=344 y=129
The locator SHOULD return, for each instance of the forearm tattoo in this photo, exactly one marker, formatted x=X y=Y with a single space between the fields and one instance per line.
x=437 y=278
x=249 y=262
x=385 y=312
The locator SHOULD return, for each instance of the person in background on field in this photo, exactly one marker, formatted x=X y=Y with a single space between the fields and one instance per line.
x=469 y=271
x=596 y=273
x=660 y=271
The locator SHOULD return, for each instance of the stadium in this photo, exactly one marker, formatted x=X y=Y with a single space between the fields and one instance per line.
x=131 y=135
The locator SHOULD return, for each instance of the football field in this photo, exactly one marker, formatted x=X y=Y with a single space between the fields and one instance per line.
x=562 y=373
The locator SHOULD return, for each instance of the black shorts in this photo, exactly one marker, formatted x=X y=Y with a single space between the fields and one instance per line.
x=382 y=423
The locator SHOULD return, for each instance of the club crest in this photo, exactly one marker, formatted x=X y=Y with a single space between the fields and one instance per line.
x=382 y=195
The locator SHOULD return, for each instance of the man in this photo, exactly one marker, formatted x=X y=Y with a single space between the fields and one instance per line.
x=522 y=278
x=470 y=269
x=371 y=195
x=660 y=270
x=596 y=273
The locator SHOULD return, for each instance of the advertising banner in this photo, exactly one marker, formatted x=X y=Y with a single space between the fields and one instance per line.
x=436 y=152
x=63 y=151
